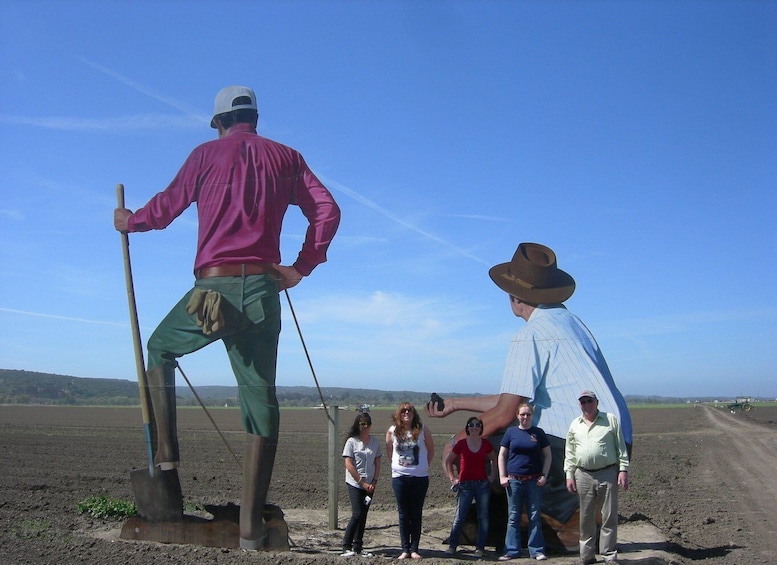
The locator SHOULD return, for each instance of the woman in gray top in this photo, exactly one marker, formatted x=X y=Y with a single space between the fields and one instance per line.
x=361 y=455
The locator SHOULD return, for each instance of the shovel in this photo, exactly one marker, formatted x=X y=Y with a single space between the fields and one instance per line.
x=157 y=493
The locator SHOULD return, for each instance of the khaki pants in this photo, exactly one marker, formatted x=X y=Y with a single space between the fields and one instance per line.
x=597 y=491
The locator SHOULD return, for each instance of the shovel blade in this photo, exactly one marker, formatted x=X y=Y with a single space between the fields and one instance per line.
x=158 y=497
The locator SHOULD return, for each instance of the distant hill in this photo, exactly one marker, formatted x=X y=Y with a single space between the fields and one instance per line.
x=28 y=387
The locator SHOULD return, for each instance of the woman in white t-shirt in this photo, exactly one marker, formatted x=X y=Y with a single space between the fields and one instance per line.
x=361 y=455
x=410 y=446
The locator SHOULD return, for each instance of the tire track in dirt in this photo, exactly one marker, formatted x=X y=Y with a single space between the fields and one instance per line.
x=743 y=456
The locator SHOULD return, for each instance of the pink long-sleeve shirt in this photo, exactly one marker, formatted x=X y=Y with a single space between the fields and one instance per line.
x=243 y=183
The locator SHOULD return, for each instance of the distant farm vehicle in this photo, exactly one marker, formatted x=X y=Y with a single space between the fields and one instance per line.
x=741 y=403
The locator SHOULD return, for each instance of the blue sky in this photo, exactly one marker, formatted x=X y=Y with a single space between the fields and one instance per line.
x=637 y=139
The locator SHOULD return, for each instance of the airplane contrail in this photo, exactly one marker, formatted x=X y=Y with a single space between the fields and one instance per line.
x=66 y=318
x=393 y=217
x=143 y=89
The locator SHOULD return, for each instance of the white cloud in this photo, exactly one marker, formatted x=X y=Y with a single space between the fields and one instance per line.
x=11 y=214
x=478 y=217
x=669 y=324
x=393 y=336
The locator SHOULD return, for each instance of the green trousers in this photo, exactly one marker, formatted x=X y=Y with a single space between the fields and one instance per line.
x=251 y=309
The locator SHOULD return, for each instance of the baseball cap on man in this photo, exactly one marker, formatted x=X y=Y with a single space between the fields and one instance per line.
x=586 y=394
x=229 y=99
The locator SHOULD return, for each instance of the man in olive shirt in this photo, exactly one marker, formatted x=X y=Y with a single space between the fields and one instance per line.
x=596 y=463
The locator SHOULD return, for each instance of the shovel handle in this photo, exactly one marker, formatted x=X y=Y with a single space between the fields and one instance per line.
x=136 y=342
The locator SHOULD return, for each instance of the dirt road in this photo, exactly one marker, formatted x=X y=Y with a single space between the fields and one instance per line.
x=706 y=478
x=741 y=464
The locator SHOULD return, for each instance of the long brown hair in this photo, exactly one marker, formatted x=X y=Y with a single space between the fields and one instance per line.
x=400 y=431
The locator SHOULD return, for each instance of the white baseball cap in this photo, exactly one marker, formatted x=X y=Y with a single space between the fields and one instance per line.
x=227 y=101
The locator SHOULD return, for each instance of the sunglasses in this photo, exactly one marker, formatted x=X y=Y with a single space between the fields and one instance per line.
x=474 y=425
x=587 y=400
x=405 y=410
x=364 y=425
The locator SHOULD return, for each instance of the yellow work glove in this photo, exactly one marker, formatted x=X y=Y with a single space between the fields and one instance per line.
x=212 y=319
x=195 y=304
x=205 y=306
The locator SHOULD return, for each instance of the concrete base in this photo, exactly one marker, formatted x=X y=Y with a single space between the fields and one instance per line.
x=223 y=530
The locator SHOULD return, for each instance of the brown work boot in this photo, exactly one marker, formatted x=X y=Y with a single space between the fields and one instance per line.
x=257 y=473
x=161 y=387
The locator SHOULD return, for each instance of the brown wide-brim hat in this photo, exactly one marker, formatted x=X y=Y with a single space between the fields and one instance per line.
x=533 y=276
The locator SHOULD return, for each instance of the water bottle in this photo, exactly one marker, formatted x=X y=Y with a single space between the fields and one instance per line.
x=367 y=500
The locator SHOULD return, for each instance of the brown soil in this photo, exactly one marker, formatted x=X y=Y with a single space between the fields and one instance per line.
x=702 y=489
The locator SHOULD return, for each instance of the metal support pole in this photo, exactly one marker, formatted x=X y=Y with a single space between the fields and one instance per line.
x=334 y=467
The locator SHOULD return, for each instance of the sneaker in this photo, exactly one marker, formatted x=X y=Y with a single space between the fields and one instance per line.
x=479 y=553
x=450 y=551
x=540 y=556
x=366 y=554
x=347 y=553
x=506 y=558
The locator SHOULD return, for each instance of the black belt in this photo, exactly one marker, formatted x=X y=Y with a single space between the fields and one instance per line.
x=599 y=469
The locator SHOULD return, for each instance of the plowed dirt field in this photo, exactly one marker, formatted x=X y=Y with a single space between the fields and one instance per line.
x=703 y=487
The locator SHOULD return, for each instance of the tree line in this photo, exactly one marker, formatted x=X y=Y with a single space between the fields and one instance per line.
x=28 y=387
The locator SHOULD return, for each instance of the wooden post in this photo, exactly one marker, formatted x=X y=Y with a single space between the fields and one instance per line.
x=334 y=467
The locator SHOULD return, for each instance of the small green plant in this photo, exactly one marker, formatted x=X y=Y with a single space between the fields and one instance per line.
x=193 y=507
x=104 y=507
x=29 y=529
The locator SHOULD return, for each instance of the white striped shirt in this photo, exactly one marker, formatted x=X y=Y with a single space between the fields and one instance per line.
x=551 y=359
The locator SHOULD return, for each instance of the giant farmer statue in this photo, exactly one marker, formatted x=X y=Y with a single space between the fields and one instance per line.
x=242 y=184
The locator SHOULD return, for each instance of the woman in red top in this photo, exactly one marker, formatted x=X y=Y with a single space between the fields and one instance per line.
x=473 y=482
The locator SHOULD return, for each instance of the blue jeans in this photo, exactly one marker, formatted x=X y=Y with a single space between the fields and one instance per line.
x=480 y=491
x=354 y=531
x=410 y=493
x=517 y=491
